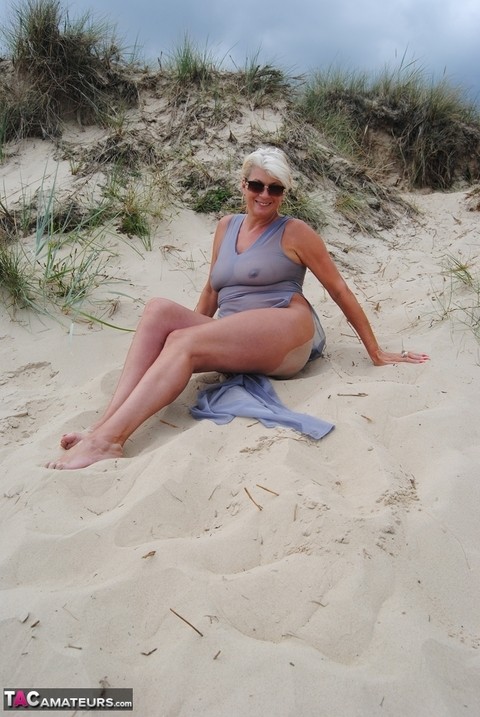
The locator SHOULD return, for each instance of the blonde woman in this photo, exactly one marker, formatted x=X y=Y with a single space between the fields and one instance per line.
x=251 y=316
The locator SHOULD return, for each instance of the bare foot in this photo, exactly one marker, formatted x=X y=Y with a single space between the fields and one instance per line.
x=87 y=451
x=68 y=440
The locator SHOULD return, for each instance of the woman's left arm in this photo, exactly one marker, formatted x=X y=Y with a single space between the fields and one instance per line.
x=310 y=249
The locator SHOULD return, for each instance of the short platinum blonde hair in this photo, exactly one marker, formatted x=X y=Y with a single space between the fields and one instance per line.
x=272 y=160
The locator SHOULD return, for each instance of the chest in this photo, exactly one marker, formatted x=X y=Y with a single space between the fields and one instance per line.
x=246 y=239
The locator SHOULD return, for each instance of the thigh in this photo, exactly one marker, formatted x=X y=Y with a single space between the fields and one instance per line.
x=294 y=361
x=255 y=341
x=163 y=315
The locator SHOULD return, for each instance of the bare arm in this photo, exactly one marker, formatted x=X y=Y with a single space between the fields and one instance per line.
x=305 y=245
x=208 y=301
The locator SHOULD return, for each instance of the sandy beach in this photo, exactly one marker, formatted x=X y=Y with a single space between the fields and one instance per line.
x=347 y=587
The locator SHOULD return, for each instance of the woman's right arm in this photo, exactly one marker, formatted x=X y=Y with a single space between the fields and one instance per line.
x=208 y=301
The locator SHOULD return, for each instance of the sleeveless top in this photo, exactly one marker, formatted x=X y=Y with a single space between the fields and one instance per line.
x=262 y=276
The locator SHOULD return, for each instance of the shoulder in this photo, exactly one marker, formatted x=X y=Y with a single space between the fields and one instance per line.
x=224 y=222
x=294 y=224
x=301 y=239
x=220 y=232
x=226 y=219
x=304 y=245
x=299 y=227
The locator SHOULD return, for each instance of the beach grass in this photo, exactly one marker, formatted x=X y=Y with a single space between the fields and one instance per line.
x=60 y=66
x=261 y=82
x=458 y=298
x=17 y=285
x=188 y=64
x=432 y=126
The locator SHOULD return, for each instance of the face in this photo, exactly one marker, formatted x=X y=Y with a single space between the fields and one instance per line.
x=263 y=204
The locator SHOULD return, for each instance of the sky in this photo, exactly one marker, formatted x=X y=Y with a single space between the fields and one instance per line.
x=441 y=37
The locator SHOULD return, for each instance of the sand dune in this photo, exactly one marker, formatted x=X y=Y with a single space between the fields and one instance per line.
x=354 y=591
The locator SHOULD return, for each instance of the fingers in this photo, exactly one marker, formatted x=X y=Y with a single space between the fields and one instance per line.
x=412 y=357
x=385 y=357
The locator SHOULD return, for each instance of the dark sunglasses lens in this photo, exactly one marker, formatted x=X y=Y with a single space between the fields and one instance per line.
x=256 y=187
x=275 y=190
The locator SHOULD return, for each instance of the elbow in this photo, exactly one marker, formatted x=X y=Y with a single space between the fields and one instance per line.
x=341 y=294
x=208 y=304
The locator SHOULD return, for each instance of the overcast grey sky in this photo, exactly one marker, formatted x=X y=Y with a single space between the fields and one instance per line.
x=442 y=36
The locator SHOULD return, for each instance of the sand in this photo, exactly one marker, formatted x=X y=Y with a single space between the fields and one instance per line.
x=353 y=591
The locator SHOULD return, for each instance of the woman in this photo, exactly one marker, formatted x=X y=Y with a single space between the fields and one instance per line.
x=264 y=323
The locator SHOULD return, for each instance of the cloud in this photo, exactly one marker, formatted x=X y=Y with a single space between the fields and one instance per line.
x=304 y=35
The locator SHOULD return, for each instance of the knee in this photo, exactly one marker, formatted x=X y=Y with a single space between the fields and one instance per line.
x=157 y=307
x=179 y=341
x=161 y=314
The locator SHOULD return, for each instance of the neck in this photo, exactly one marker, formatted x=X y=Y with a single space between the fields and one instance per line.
x=252 y=222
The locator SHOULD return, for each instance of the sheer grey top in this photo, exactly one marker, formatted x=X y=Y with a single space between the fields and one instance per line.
x=262 y=276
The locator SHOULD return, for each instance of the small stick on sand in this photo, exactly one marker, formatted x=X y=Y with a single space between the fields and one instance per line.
x=253 y=501
x=355 y=395
x=149 y=555
x=167 y=423
x=188 y=623
x=269 y=490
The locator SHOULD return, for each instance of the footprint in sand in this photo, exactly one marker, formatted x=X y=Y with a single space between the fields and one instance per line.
x=23 y=392
x=36 y=374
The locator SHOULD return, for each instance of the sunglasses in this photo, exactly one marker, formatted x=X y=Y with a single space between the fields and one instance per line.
x=274 y=190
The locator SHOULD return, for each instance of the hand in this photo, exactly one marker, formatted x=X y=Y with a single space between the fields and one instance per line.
x=382 y=358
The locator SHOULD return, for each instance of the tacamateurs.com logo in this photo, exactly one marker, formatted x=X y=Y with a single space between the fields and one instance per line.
x=67 y=699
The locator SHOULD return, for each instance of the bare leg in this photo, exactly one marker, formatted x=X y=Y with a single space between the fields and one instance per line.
x=159 y=318
x=252 y=342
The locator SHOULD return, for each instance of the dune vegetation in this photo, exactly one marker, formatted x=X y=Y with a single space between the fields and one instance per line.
x=364 y=141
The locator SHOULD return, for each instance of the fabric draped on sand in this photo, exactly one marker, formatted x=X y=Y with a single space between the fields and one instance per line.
x=253 y=396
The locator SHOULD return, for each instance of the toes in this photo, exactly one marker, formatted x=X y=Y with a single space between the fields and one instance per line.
x=67 y=441
x=55 y=465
